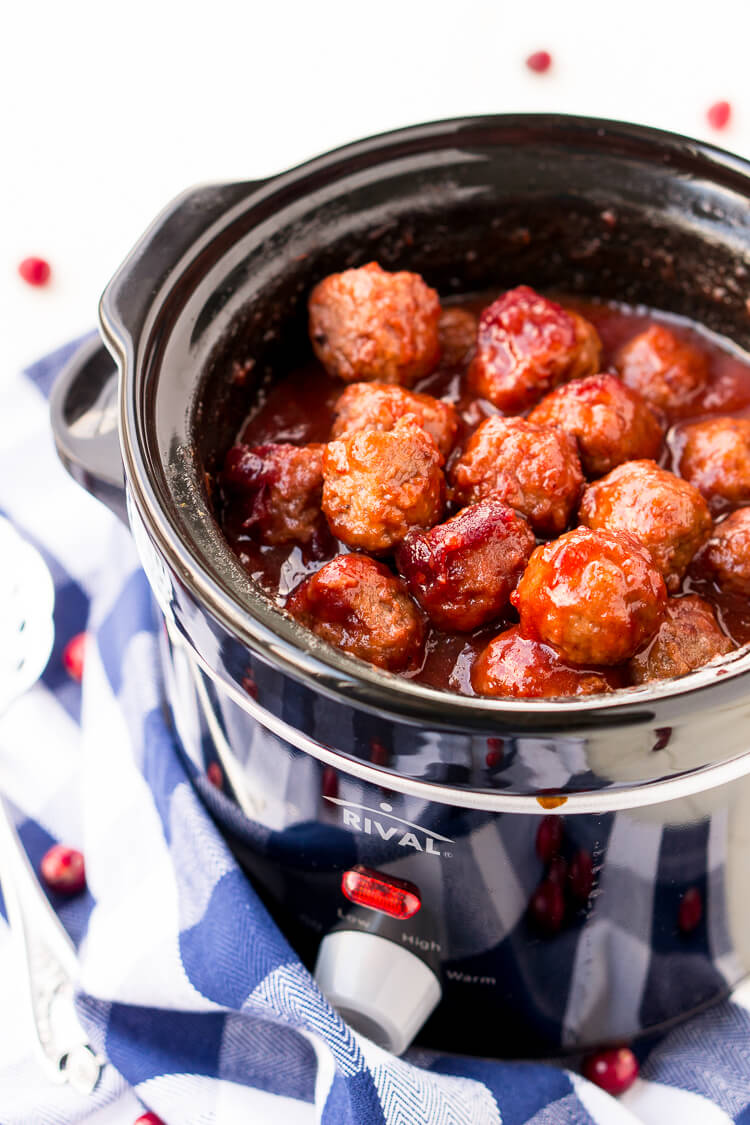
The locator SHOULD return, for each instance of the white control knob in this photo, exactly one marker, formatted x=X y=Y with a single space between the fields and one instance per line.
x=380 y=988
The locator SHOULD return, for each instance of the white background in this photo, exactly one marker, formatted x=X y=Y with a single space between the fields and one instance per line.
x=109 y=110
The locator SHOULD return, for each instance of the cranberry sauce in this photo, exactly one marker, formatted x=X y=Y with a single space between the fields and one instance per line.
x=298 y=408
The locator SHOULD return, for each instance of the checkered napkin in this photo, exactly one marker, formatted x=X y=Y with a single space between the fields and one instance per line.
x=189 y=990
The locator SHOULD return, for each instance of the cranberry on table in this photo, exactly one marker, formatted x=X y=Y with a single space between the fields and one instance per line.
x=358 y=605
x=539 y=62
x=526 y=345
x=726 y=555
x=610 y=422
x=534 y=469
x=518 y=667
x=718 y=115
x=557 y=871
x=378 y=485
x=547 y=906
x=715 y=458
x=614 y=1070
x=549 y=837
x=276 y=489
x=690 y=911
x=665 y=370
x=74 y=656
x=457 y=332
x=63 y=870
x=35 y=271
x=367 y=323
x=662 y=512
x=378 y=406
x=595 y=596
x=463 y=572
x=688 y=637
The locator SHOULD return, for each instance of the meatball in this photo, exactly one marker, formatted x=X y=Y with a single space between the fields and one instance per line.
x=595 y=595
x=356 y=604
x=665 y=370
x=611 y=422
x=457 y=331
x=370 y=324
x=534 y=469
x=688 y=637
x=278 y=489
x=377 y=485
x=726 y=556
x=463 y=571
x=378 y=406
x=662 y=512
x=526 y=345
x=716 y=459
x=515 y=666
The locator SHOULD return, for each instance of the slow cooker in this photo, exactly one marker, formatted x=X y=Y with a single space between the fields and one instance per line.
x=399 y=833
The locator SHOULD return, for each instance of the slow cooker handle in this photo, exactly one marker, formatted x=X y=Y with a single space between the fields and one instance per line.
x=83 y=413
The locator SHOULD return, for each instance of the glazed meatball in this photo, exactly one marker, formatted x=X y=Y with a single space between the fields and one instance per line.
x=595 y=595
x=378 y=406
x=611 y=423
x=726 y=556
x=356 y=604
x=277 y=488
x=534 y=469
x=688 y=637
x=716 y=459
x=462 y=572
x=369 y=324
x=525 y=346
x=377 y=485
x=664 y=513
x=664 y=370
x=515 y=666
x=457 y=331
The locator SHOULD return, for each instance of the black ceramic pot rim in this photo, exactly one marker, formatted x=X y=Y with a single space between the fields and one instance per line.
x=255 y=622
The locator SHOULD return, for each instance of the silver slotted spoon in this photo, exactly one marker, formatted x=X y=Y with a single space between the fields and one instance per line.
x=42 y=944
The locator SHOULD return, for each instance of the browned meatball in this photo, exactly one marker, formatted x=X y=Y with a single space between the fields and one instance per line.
x=356 y=604
x=534 y=469
x=611 y=423
x=276 y=489
x=663 y=512
x=688 y=637
x=526 y=345
x=377 y=485
x=463 y=571
x=515 y=666
x=665 y=370
x=716 y=459
x=370 y=324
x=457 y=330
x=726 y=556
x=378 y=406
x=595 y=595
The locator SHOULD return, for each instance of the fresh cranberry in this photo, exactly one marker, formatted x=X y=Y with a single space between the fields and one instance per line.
x=329 y=782
x=539 y=62
x=581 y=875
x=549 y=838
x=614 y=1070
x=63 y=870
x=558 y=870
x=718 y=115
x=547 y=906
x=215 y=775
x=73 y=656
x=35 y=271
x=148 y=1119
x=691 y=910
x=495 y=752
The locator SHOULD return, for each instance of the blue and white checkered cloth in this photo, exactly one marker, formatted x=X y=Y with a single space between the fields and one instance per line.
x=200 y=1006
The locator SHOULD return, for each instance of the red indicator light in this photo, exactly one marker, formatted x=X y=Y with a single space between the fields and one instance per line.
x=381 y=892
